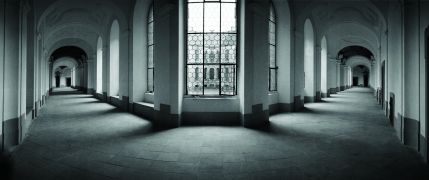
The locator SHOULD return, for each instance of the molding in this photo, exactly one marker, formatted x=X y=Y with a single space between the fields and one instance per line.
x=411 y=133
x=258 y=118
x=423 y=149
x=298 y=103
x=163 y=118
x=144 y=111
x=211 y=118
x=11 y=134
x=309 y=99
x=280 y=108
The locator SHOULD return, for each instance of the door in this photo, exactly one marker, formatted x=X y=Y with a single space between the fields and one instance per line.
x=355 y=81
x=365 y=80
x=68 y=82
x=57 y=81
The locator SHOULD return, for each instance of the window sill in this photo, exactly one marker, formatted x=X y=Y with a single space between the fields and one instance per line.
x=210 y=97
x=273 y=93
x=146 y=104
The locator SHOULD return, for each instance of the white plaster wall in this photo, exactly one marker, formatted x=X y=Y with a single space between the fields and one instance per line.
x=309 y=59
x=2 y=39
x=424 y=25
x=394 y=63
x=284 y=52
x=411 y=61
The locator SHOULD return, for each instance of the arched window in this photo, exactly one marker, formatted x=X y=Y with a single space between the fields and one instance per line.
x=114 y=59
x=309 y=70
x=100 y=65
x=150 y=46
x=272 y=44
x=212 y=30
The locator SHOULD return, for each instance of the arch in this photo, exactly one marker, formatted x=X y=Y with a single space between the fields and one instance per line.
x=140 y=52
x=284 y=51
x=309 y=64
x=324 y=67
x=99 y=65
x=114 y=59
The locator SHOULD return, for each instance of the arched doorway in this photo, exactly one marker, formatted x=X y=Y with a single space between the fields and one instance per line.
x=67 y=68
x=360 y=76
x=324 y=68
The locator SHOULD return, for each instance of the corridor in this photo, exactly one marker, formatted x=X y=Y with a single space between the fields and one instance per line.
x=344 y=137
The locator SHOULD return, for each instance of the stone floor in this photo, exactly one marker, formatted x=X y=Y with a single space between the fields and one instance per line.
x=344 y=137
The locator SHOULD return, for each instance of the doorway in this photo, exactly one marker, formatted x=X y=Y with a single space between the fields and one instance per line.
x=68 y=82
x=366 y=80
x=355 y=81
x=57 y=81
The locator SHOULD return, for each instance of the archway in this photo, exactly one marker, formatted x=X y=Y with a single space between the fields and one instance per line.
x=99 y=86
x=309 y=87
x=114 y=59
x=360 y=76
x=67 y=67
x=324 y=68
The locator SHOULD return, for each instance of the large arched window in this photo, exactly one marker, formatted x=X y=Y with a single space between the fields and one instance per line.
x=150 y=46
x=272 y=44
x=324 y=67
x=211 y=43
x=309 y=91
x=100 y=65
x=114 y=59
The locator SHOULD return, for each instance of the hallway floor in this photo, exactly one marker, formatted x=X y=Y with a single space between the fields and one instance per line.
x=344 y=137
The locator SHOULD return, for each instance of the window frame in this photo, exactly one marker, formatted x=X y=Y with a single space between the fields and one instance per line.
x=237 y=47
x=270 y=68
x=150 y=89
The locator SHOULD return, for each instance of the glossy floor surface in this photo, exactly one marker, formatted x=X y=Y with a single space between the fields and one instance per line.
x=344 y=137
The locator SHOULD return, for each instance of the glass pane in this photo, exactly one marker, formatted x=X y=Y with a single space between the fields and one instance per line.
x=229 y=42
x=272 y=33
x=150 y=57
x=272 y=56
x=195 y=48
x=195 y=79
x=150 y=33
x=211 y=48
x=195 y=0
x=228 y=80
x=150 y=80
x=272 y=13
x=211 y=81
x=150 y=19
x=273 y=79
x=195 y=17
x=211 y=17
x=229 y=0
x=228 y=18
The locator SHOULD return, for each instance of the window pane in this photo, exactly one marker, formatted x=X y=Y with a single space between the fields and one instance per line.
x=150 y=57
x=150 y=33
x=273 y=56
x=211 y=81
x=228 y=79
x=211 y=48
x=195 y=17
x=195 y=79
x=229 y=20
x=229 y=42
x=272 y=33
x=212 y=17
x=150 y=80
x=273 y=79
x=195 y=48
